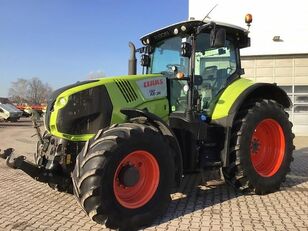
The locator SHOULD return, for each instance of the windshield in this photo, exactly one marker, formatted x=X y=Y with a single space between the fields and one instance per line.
x=167 y=54
x=213 y=67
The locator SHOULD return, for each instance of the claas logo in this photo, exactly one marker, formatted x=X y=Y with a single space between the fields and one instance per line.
x=154 y=82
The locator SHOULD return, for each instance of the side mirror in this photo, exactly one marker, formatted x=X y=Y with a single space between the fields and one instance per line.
x=198 y=80
x=218 y=38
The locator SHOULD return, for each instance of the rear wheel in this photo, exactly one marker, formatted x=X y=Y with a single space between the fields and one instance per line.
x=123 y=176
x=261 y=148
x=268 y=138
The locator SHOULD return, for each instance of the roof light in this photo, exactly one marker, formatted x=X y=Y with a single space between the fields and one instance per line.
x=175 y=31
x=183 y=28
x=146 y=41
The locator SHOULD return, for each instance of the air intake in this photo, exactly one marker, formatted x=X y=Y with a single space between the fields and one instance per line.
x=127 y=90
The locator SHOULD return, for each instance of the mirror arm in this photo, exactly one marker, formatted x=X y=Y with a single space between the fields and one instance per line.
x=204 y=26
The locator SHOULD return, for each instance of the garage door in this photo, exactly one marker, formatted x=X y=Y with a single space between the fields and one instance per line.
x=291 y=74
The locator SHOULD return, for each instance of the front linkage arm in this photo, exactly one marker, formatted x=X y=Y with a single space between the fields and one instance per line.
x=38 y=173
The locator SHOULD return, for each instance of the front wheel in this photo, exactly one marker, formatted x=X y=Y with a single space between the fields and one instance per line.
x=123 y=176
x=261 y=148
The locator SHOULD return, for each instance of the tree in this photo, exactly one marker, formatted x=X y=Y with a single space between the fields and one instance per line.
x=96 y=74
x=38 y=92
x=18 y=90
x=32 y=91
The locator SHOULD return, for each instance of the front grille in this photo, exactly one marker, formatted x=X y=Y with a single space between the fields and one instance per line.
x=86 y=112
x=127 y=90
x=55 y=94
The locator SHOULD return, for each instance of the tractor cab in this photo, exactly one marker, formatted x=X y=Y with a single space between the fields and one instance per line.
x=199 y=58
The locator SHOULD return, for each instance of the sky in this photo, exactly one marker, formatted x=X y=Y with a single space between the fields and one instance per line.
x=63 y=41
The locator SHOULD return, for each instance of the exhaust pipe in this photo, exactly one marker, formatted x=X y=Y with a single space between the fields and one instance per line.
x=132 y=62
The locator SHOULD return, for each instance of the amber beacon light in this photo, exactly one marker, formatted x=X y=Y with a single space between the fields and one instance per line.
x=248 y=19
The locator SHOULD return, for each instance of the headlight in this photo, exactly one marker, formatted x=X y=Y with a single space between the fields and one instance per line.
x=62 y=101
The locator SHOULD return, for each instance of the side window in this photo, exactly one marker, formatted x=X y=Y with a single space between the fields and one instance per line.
x=178 y=95
x=214 y=66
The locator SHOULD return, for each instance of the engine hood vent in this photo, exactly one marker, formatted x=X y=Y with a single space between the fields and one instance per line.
x=127 y=90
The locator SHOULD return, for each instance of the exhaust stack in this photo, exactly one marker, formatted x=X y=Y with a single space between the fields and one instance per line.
x=132 y=62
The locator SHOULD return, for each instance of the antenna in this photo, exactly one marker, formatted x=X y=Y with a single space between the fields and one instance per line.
x=207 y=16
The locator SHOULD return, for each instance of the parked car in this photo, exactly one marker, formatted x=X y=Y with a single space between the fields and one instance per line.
x=9 y=112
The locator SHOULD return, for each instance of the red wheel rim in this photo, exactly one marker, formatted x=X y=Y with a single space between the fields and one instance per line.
x=267 y=147
x=143 y=190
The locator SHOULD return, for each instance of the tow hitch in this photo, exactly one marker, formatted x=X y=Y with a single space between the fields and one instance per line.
x=38 y=173
x=51 y=164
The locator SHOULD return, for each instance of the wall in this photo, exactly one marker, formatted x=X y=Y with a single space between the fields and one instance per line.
x=287 y=19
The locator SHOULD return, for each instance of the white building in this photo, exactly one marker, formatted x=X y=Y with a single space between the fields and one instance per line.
x=279 y=45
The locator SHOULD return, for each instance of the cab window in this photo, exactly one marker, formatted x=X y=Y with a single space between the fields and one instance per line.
x=214 y=66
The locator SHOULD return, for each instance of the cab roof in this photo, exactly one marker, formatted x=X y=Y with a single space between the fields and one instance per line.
x=189 y=27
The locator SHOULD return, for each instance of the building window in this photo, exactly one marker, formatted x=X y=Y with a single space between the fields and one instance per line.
x=287 y=89
x=301 y=99
x=301 y=89
x=301 y=109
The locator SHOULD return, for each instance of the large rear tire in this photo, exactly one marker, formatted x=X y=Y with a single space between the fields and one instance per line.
x=261 y=148
x=123 y=176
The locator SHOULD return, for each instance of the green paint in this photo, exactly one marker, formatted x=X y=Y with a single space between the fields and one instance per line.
x=158 y=105
x=229 y=96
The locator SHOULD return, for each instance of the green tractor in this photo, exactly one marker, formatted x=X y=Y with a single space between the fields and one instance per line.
x=123 y=144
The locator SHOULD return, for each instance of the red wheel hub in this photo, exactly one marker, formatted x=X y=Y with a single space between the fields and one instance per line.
x=267 y=147
x=136 y=179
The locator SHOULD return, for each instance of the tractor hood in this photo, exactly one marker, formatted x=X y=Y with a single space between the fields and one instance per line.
x=76 y=112
x=77 y=109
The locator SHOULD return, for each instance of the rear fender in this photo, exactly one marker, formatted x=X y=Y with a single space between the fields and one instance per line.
x=248 y=92
x=254 y=91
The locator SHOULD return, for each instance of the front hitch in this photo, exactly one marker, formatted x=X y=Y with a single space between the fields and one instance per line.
x=6 y=153
x=36 y=125
x=36 y=172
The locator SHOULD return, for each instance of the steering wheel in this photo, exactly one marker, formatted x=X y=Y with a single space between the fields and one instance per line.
x=229 y=70
x=178 y=66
